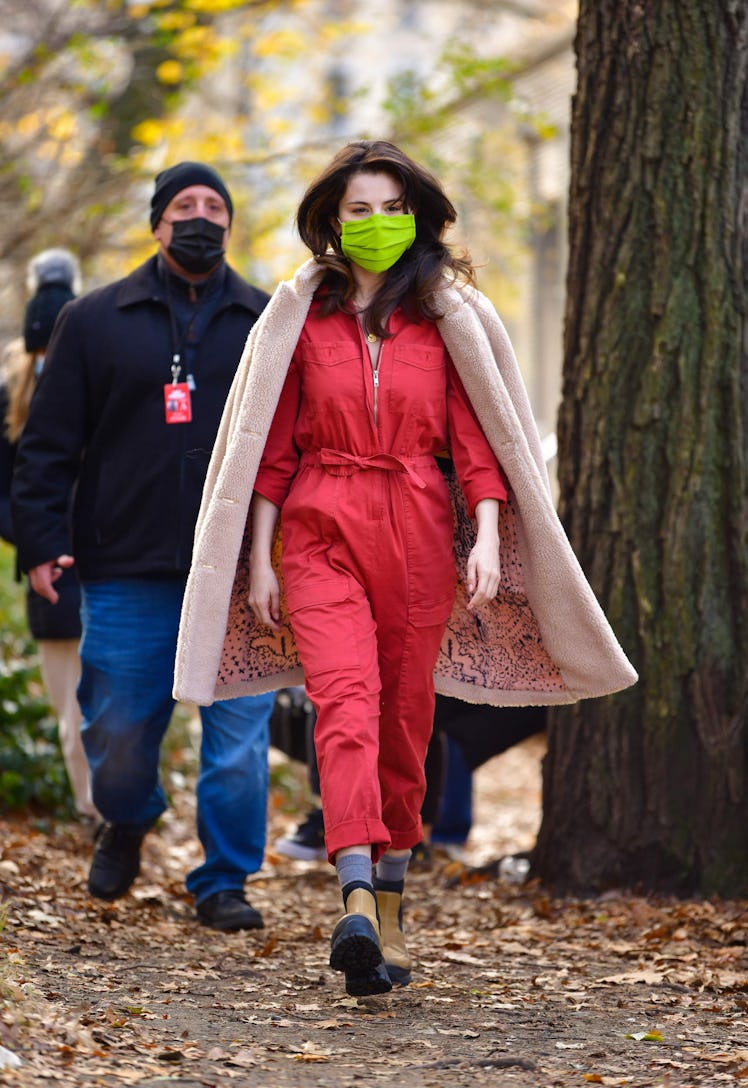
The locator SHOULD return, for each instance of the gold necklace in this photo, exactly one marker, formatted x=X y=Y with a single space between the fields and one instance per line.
x=371 y=337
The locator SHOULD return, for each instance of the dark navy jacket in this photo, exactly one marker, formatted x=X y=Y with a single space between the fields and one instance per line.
x=46 y=620
x=97 y=424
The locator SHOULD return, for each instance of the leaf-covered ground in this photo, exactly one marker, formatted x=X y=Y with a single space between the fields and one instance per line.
x=513 y=986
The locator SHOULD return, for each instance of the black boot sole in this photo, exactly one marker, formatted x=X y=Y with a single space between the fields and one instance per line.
x=354 y=949
x=376 y=981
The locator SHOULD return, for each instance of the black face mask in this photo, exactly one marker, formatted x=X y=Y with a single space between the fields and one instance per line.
x=196 y=244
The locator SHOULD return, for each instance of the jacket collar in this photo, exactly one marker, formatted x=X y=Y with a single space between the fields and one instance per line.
x=145 y=284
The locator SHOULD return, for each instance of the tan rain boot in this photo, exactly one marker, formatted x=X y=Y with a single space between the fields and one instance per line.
x=355 y=947
x=397 y=959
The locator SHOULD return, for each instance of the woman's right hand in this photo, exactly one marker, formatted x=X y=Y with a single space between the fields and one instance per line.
x=264 y=594
x=264 y=591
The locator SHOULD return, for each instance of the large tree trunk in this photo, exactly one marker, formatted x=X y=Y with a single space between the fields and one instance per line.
x=650 y=788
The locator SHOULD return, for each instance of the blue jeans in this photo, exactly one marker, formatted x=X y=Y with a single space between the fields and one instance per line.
x=127 y=654
x=455 y=818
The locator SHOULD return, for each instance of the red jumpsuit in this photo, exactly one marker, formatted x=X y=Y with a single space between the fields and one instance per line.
x=368 y=565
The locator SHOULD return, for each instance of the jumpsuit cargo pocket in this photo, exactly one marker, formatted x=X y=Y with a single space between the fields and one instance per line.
x=434 y=614
x=323 y=621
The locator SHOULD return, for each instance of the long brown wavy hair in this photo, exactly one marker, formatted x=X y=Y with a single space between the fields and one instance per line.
x=20 y=380
x=414 y=278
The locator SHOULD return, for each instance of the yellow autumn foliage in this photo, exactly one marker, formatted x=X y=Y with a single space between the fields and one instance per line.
x=232 y=142
x=286 y=44
x=280 y=126
x=341 y=29
x=217 y=7
x=170 y=72
x=153 y=132
x=29 y=124
x=176 y=20
x=149 y=132
x=62 y=126
x=70 y=156
x=196 y=42
x=269 y=96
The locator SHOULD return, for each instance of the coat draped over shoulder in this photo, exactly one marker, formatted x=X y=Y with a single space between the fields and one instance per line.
x=544 y=639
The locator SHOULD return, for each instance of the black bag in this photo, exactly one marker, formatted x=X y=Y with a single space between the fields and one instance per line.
x=292 y=723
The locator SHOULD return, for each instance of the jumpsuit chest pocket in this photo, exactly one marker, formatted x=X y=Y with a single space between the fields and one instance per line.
x=429 y=357
x=419 y=380
x=330 y=376
x=334 y=353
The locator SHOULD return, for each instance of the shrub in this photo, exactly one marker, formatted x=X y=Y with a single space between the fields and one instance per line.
x=32 y=771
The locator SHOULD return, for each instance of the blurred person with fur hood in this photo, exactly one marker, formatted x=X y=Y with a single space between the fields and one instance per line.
x=53 y=279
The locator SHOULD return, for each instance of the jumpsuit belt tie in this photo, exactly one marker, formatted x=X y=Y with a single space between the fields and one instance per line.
x=352 y=462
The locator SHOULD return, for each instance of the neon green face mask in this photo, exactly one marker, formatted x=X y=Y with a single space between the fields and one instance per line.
x=375 y=243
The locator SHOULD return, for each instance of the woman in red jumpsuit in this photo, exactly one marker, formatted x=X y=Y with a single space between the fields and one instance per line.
x=350 y=463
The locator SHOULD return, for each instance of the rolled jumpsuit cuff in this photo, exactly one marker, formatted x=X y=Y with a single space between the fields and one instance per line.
x=357 y=833
x=406 y=840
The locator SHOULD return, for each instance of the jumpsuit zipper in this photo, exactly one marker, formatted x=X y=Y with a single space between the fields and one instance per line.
x=375 y=371
x=375 y=361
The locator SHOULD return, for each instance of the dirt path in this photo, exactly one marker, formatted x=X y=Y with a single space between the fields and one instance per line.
x=512 y=986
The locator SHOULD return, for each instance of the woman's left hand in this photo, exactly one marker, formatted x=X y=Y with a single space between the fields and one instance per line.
x=484 y=565
x=483 y=572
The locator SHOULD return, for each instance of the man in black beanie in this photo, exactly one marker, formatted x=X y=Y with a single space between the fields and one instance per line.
x=124 y=419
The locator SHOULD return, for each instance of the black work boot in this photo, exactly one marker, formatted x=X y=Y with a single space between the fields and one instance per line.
x=228 y=911
x=355 y=947
x=116 y=860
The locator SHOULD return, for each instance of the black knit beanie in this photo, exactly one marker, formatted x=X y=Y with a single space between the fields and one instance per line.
x=172 y=180
x=41 y=314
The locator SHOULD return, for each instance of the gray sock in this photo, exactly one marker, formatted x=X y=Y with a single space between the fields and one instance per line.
x=392 y=867
x=353 y=869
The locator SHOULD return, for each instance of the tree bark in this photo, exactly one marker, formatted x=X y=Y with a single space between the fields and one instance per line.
x=650 y=788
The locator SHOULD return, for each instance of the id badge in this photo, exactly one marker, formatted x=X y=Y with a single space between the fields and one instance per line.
x=177 y=403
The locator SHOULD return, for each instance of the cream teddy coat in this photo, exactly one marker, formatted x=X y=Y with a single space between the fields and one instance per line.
x=543 y=640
